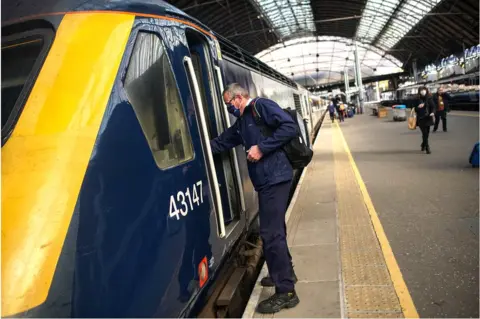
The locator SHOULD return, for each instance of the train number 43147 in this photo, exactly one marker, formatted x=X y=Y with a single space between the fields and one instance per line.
x=186 y=201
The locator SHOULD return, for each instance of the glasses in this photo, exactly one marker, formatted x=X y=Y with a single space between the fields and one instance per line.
x=230 y=102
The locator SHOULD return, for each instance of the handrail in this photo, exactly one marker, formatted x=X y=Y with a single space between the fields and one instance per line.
x=235 y=158
x=208 y=153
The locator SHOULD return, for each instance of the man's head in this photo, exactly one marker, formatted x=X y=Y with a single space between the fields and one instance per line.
x=441 y=90
x=235 y=97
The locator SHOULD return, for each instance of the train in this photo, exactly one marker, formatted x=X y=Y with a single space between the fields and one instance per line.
x=112 y=202
x=463 y=92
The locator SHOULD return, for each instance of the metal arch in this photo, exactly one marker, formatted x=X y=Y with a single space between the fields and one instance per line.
x=347 y=41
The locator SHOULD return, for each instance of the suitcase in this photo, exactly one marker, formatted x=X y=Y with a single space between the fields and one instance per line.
x=474 y=156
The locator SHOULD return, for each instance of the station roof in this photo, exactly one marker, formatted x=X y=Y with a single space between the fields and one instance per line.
x=311 y=41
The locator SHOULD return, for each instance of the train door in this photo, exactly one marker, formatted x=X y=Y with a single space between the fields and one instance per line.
x=224 y=174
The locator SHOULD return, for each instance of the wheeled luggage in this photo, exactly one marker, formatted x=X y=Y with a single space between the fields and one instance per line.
x=474 y=155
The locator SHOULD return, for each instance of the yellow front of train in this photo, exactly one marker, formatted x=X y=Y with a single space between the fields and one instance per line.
x=45 y=157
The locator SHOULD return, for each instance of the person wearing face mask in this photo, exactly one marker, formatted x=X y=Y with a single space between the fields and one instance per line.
x=233 y=110
x=271 y=174
x=442 y=108
x=425 y=110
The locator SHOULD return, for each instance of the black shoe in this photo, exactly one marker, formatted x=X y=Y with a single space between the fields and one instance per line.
x=445 y=130
x=278 y=301
x=428 y=150
x=268 y=282
x=423 y=147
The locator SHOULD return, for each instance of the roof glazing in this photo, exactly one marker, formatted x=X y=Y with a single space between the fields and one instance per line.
x=323 y=59
x=288 y=17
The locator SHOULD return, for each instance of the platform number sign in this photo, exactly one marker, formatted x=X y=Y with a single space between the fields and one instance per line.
x=183 y=202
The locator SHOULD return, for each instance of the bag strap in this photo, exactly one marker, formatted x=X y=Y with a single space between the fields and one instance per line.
x=264 y=128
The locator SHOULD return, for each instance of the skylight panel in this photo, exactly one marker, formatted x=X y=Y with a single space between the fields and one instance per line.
x=375 y=16
x=409 y=14
x=288 y=17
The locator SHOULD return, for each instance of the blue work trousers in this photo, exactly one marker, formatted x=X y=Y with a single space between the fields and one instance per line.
x=273 y=206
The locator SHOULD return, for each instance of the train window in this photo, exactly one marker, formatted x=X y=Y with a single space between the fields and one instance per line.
x=22 y=56
x=152 y=91
x=298 y=105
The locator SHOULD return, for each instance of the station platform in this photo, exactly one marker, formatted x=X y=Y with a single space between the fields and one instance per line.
x=379 y=229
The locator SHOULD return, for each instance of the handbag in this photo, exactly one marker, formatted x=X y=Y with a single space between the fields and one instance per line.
x=412 y=120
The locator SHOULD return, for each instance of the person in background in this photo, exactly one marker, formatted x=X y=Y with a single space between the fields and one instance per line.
x=331 y=110
x=337 y=102
x=425 y=109
x=442 y=108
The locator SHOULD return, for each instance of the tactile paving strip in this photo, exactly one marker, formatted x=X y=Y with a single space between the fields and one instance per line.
x=371 y=298
x=368 y=288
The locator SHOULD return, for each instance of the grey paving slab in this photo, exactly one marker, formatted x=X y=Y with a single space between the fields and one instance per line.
x=317 y=300
x=315 y=263
x=315 y=232
x=315 y=210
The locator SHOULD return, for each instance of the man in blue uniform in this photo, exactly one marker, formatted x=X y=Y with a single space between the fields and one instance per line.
x=271 y=175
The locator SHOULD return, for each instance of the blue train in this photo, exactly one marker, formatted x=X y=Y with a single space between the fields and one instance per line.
x=112 y=203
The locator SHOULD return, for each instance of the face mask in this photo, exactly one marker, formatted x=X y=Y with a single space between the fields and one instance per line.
x=233 y=110
x=423 y=92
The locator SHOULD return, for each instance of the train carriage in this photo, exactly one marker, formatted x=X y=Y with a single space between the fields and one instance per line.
x=112 y=202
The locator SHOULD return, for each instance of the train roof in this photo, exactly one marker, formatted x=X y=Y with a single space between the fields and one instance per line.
x=15 y=10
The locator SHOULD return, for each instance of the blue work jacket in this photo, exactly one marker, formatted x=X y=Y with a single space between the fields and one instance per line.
x=273 y=167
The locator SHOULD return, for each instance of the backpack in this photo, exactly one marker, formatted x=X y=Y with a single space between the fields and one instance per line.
x=297 y=150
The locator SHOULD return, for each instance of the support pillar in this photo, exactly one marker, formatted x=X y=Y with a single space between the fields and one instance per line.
x=415 y=71
x=347 y=84
x=358 y=76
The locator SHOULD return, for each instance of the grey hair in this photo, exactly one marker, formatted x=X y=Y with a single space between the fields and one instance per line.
x=234 y=89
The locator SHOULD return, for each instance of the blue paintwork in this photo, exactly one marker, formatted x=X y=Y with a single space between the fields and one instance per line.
x=123 y=255
x=133 y=260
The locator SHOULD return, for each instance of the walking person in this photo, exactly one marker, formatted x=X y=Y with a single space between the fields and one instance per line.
x=425 y=110
x=337 y=102
x=331 y=110
x=442 y=108
x=271 y=174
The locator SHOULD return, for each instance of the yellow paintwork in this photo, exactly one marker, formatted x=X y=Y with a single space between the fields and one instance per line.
x=45 y=159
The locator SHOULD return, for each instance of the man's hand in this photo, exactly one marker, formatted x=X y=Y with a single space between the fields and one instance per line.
x=254 y=154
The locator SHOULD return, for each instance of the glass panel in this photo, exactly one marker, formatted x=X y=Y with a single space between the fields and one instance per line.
x=18 y=59
x=374 y=17
x=288 y=17
x=409 y=14
x=152 y=91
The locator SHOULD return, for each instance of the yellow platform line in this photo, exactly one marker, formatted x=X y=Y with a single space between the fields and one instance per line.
x=406 y=302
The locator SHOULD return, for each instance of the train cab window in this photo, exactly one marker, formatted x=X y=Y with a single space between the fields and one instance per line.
x=152 y=91
x=22 y=56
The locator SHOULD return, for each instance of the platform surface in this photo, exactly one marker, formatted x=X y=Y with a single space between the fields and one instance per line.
x=379 y=229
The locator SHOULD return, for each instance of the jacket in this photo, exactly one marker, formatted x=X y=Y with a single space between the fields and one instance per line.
x=273 y=167
x=446 y=104
x=423 y=114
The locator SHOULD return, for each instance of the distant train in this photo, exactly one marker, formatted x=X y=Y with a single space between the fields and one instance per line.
x=112 y=203
x=461 y=97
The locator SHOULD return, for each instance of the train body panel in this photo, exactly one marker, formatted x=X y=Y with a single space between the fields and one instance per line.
x=126 y=213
